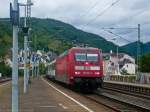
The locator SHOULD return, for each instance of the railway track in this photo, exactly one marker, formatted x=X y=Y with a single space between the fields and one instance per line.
x=110 y=103
x=117 y=101
x=124 y=99
x=129 y=93
x=116 y=104
x=4 y=80
x=120 y=102
x=132 y=89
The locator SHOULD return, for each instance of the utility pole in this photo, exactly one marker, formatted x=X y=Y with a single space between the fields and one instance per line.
x=35 y=70
x=26 y=34
x=32 y=60
x=25 y=51
x=138 y=50
x=14 y=15
x=29 y=12
x=29 y=25
x=35 y=48
x=38 y=68
x=118 y=71
x=117 y=52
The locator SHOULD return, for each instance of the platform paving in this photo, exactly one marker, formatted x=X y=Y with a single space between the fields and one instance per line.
x=41 y=97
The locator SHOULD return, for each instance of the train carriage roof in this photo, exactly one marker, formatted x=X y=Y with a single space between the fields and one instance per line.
x=77 y=48
x=85 y=48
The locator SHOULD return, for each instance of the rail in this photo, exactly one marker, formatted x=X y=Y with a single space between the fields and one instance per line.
x=2 y=80
x=135 y=89
x=123 y=101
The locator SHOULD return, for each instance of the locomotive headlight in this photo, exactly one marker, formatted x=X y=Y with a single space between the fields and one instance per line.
x=79 y=67
x=97 y=73
x=77 y=73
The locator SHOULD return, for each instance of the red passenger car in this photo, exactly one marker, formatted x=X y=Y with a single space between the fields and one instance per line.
x=81 y=67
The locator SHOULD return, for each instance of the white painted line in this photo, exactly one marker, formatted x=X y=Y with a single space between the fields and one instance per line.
x=48 y=106
x=64 y=107
x=85 y=107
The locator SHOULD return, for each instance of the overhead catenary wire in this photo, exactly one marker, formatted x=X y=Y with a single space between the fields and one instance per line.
x=103 y=12
x=113 y=28
x=100 y=14
x=8 y=20
x=138 y=13
x=116 y=35
x=90 y=9
x=145 y=23
x=131 y=18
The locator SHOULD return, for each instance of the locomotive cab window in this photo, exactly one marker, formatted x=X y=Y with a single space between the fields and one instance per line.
x=80 y=57
x=86 y=57
x=92 y=57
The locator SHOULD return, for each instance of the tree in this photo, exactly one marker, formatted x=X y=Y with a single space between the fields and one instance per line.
x=145 y=63
x=124 y=72
x=42 y=68
x=4 y=69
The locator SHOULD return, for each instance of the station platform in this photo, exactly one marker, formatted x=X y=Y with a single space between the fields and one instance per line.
x=44 y=97
x=129 y=84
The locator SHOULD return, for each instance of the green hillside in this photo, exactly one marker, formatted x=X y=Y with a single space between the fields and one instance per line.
x=53 y=35
x=132 y=48
x=5 y=37
x=147 y=47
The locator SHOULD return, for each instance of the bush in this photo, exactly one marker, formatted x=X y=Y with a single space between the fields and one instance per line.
x=145 y=63
x=42 y=68
x=21 y=73
x=5 y=70
x=124 y=72
x=123 y=78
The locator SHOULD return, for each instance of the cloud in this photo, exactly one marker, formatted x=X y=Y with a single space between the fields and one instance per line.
x=139 y=4
x=80 y=13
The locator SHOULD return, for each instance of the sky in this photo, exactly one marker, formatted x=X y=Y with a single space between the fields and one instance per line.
x=94 y=15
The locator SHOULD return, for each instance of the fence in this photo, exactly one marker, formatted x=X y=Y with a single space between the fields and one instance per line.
x=143 y=78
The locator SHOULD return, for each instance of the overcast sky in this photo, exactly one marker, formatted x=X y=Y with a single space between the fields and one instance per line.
x=83 y=14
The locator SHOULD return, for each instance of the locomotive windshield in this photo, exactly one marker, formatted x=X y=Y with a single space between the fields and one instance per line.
x=92 y=57
x=86 y=57
x=80 y=56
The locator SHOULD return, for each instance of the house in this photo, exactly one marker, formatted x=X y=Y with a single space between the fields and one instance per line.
x=129 y=68
x=117 y=64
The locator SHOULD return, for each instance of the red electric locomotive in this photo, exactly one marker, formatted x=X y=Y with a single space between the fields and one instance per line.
x=81 y=67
